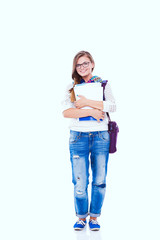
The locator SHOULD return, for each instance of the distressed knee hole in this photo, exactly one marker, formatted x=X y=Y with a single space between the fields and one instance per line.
x=79 y=193
x=101 y=185
x=75 y=156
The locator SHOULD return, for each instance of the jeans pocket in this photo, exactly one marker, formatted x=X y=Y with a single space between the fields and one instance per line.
x=74 y=136
x=104 y=135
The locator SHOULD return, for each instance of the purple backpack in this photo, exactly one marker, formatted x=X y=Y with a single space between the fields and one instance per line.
x=112 y=127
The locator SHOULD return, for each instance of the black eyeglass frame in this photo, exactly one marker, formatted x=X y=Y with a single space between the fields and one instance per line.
x=84 y=64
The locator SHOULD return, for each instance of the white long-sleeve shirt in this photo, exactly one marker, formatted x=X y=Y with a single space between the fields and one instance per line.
x=109 y=105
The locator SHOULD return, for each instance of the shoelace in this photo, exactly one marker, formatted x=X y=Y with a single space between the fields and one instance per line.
x=81 y=222
x=94 y=221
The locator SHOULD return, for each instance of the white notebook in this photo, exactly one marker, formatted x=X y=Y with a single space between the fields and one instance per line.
x=92 y=91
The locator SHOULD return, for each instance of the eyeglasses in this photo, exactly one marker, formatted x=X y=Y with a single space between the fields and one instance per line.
x=84 y=64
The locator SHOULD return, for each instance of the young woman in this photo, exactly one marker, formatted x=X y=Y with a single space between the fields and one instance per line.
x=89 y=142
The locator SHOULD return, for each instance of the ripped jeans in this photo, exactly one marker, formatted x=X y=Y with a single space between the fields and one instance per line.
x=85 y=148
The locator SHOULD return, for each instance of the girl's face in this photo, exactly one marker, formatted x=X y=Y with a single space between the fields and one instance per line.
x=84 y=66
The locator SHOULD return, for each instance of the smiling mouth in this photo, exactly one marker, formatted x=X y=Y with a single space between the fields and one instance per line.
x=83 y=71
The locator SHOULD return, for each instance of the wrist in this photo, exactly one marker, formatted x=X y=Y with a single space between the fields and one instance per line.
x=88 y=103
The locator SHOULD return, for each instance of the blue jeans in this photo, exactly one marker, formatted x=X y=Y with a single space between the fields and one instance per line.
x=85 y=145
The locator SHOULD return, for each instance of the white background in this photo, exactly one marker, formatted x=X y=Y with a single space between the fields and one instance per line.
x=38 y=42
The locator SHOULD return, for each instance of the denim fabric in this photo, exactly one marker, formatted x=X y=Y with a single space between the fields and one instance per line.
x=86 y=148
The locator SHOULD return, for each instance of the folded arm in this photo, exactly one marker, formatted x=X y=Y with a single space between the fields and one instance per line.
x=108 y=105
x=78 y=113
x=83 y=102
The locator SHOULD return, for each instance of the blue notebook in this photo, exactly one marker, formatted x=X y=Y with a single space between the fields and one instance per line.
x=88 y=119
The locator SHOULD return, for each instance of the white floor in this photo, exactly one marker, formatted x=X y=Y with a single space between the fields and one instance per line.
x=38 y=209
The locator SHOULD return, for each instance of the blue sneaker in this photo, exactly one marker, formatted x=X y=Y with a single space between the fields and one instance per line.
x=79 y=225
x=94 y=225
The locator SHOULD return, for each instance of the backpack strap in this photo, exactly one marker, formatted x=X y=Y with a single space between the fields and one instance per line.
x=103 y=84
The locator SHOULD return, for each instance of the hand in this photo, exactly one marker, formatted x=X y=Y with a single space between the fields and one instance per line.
x=97 y=114
x=82 y=102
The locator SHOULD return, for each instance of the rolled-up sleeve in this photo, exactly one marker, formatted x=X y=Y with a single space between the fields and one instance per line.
x=66 y=103
x=109 y=104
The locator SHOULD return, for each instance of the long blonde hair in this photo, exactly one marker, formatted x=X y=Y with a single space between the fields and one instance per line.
x=75 y=76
